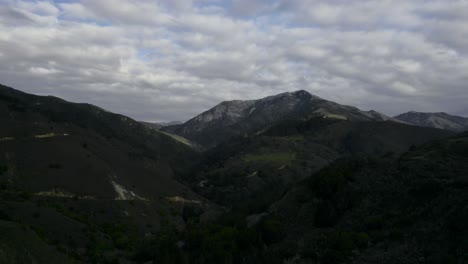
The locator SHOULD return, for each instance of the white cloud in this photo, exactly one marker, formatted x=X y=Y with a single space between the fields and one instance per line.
x=128 y=12
x=43 y=8
x=169 y=60
x=403 y=88
x=43 y=71
x=77 y=11
x=408 y=66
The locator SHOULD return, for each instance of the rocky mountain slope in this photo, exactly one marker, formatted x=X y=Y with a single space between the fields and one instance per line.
x=436 y=120
x=234 y=118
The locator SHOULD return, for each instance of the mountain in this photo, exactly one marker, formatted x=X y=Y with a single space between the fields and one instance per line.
x=436 y=120
x=249 y=173
x=404 y=208
x=159 y=125
x=150 y=125
x=44 y=138
x=170 y=123
x=79 y=180
x=290 y=178
x=232 y=118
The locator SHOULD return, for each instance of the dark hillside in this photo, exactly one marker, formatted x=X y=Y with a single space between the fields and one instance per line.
x=86 y=182
x=44 y=138
x=249 y=173
x=411 y=208
x=407 y=208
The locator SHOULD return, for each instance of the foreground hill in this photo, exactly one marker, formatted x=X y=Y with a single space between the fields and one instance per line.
x=233 y=118
x=436 y=120
x=84 y=180
x=409 y=208
x=249 y=173
x=103 y=155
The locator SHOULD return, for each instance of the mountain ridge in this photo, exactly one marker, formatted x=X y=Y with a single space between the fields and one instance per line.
x=59 y=132
x=439 y=120
x=237 y=117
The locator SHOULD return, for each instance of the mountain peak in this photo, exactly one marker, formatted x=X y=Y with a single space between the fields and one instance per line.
x=301 y=92
x=291 y=97
x=304 y=93
x=298 y=93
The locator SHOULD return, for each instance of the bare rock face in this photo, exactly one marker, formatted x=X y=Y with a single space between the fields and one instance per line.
x=234 y=118
x=226 y=112
x=435 y=120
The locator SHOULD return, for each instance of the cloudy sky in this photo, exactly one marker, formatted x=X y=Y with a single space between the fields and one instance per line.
x=172 y=59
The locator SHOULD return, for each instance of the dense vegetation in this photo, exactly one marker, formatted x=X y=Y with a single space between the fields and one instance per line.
x=410 y=208
x=315 y=190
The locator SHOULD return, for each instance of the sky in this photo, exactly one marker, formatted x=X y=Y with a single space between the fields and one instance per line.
x=170 y=60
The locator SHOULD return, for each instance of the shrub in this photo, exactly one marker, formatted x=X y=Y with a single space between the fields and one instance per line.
x=340 y=246
x=374 y=222
x=3 y=169
x=25 y=196
x=270 y=230
x=326 y=215
x=55 y=166
x=36 y=214
x=4 y=216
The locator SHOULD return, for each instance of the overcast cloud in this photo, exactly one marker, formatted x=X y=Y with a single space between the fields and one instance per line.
x=172 y=59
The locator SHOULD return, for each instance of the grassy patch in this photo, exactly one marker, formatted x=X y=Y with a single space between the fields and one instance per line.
x=49 y=135
x=280 y=157
x=179 y=138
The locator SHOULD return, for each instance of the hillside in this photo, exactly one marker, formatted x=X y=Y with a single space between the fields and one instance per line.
x=409 y=208
x=44 y=138
x=436 y=120
x=368 y=210
x=76 y=174
x=249 y=173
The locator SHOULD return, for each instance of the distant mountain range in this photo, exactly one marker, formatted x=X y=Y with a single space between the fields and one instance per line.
x=435 y=120
x=237 y=117
x=233 y=118
x=159 y=125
